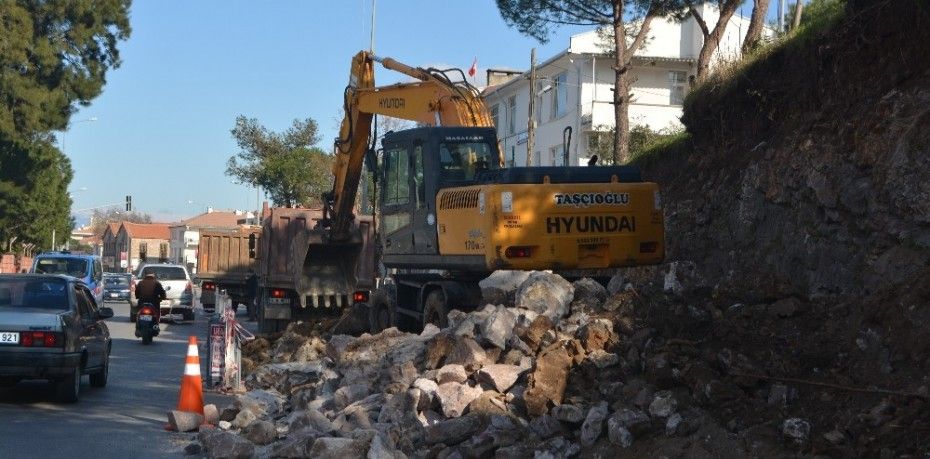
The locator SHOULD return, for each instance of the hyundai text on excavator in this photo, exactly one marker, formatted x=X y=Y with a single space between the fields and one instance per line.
x=449 y=214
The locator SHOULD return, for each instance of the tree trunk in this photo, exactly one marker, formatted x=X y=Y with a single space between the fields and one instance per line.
x=754 y=33
x=621 y=150
x=712 y=40
x=798 y=6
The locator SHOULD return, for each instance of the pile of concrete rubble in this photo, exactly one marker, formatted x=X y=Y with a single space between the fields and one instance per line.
x=547 y=368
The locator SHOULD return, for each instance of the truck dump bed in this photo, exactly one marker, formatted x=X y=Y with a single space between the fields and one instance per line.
x=293 y=256
x=223 y=255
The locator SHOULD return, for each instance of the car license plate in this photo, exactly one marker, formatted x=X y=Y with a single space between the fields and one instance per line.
x=9 y=337
x=114 y=295
x=145 y=318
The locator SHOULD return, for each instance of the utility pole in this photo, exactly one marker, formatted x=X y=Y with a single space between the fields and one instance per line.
x=371 y=43
x=53 y=239
x=531 y=124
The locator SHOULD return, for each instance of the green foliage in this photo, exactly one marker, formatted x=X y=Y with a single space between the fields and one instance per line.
x=661 y=146
x=286 y=165
x=642 y=139
x=54 y=54
x=34 y=201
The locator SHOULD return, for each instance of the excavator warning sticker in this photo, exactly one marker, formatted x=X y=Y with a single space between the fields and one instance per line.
x=591 y=224
x=591 y=199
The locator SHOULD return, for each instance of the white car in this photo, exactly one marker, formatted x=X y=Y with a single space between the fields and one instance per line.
x=179 y=291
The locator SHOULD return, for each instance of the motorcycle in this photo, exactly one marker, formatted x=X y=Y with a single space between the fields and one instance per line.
x=146 y=325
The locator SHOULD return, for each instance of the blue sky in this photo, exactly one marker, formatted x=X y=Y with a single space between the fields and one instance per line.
x=162 y=129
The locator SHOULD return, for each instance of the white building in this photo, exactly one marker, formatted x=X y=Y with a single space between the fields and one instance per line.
x=185 y=235
x=575 y=89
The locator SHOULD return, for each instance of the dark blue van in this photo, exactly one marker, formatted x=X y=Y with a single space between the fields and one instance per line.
x=87 y=268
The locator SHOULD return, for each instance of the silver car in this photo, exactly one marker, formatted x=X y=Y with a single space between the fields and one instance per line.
x=51 y=328
x=179 y=304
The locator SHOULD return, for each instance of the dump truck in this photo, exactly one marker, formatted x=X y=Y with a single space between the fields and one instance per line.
x=223 y=263
x=301 y=273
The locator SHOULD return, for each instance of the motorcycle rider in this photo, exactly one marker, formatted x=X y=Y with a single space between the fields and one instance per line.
x=150 y=291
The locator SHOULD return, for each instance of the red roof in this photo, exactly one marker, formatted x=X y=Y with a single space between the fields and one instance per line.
x=147 y=230
x=214 y=219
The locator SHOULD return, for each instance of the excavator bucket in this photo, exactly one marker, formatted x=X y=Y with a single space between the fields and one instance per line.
x=332 y=272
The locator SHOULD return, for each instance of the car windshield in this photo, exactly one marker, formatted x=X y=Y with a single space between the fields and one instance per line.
x=164 y=272
x=32 y=293
x=74 y=267
x=116 y=281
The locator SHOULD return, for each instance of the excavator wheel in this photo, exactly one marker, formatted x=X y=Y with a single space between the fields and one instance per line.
x=380 y=311
x=435 y=309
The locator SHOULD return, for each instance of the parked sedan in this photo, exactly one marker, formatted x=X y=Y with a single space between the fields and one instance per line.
x=51 y=328
x=116 y=287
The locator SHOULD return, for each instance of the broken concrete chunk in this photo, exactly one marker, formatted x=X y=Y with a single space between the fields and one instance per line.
x=593 y=424
x=455 y=397
x=797 y=429
x=451 y=373
x=548 y=380
x=497 y=328
x=499 y=376
x=183 y=421
x=260 y=432
x=663 y=405
x=546 y=293
x=466 y=352
x=568 y=413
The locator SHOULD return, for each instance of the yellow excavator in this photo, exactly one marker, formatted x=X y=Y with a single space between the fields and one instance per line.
x=449 y=214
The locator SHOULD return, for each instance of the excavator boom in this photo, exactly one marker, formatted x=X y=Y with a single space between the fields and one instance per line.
x=433 y=100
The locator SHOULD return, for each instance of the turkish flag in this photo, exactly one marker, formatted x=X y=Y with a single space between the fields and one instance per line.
x=474 y=67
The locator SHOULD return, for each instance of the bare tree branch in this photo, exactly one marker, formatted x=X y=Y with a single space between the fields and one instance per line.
x=700 y=20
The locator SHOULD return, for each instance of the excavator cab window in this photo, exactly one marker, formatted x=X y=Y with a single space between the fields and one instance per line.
x=396 y=173
x=459 y=161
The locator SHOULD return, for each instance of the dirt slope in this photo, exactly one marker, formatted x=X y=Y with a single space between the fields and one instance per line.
x=803 y=201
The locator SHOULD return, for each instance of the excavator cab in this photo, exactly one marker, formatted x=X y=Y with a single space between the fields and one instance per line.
x=416 y=164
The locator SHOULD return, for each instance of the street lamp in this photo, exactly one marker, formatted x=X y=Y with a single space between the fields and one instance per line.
x=86 y=120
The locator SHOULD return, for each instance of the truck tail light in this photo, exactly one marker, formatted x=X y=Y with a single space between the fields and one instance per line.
x=360 y=297
x=648 y=247
x=518 y=252
x=41 y=339
x=189 y=288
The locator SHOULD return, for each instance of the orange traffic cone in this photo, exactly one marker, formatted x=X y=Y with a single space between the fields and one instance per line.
x=191 y=397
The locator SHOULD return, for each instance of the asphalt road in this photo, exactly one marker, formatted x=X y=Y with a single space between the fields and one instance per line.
x=125 y=419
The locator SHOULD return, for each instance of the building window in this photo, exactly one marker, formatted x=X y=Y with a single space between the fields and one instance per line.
x=143 y=250
x=559 y=96
x=677 y=81
x=495 y=115
x=512 y=114
x=163 y=251
x=555 y=155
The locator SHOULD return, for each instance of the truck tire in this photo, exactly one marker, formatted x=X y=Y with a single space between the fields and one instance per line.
x=381 y=314
x=435 y=309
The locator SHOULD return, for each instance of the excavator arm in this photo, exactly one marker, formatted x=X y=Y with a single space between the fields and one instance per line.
x=433 y=100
